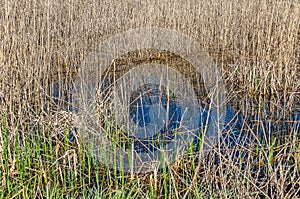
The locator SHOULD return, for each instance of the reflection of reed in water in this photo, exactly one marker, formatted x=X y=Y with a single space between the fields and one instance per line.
x=129 y=61
x=123 y=64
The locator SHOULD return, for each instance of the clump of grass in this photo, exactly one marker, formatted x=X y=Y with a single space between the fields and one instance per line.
x=48 y=167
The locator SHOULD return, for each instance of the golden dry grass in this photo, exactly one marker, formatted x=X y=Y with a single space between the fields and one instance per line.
x=255 y=43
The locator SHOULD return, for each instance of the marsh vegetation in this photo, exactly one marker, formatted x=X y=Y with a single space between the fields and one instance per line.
x=256 y=45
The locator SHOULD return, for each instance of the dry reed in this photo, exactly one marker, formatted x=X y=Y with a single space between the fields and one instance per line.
x=255 y=43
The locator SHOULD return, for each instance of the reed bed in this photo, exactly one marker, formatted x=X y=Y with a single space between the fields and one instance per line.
x=256 y=45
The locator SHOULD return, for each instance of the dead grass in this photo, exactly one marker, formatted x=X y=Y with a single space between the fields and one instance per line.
x=255 y=43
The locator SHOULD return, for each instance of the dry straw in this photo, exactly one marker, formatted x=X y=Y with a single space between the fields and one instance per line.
x=255 y=44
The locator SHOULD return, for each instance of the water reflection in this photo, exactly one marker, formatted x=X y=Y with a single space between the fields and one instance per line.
x=238 y=128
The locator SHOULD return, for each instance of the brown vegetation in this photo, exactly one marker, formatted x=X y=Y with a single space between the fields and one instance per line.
x=255 y=43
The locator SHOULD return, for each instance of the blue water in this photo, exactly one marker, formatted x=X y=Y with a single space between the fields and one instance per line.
x=141 y=113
